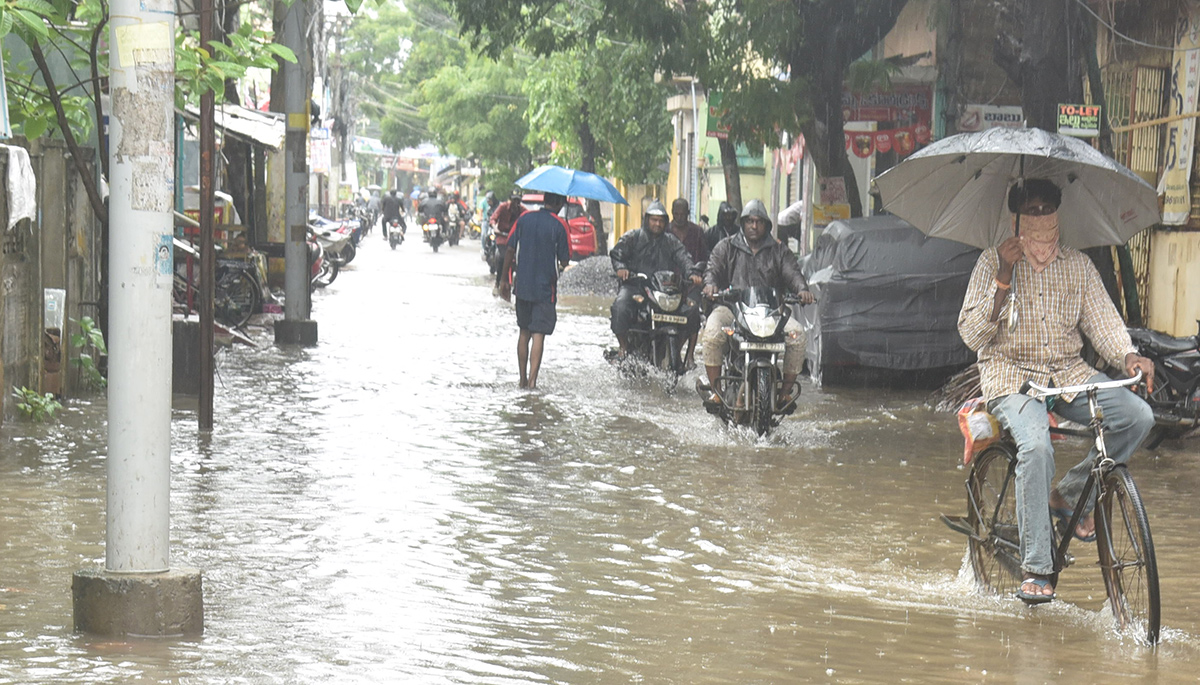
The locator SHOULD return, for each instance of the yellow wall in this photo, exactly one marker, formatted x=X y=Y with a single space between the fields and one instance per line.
x=1174 y=289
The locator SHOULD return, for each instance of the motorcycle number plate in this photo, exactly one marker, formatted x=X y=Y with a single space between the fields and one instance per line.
x=763 y=347
x=668 y=318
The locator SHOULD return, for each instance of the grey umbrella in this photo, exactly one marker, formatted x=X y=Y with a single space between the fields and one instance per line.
x=957 y=188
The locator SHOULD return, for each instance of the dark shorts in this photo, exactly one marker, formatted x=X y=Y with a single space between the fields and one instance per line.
x=537 y=317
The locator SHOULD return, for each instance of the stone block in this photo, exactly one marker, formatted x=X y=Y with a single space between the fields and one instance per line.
x=167 y=604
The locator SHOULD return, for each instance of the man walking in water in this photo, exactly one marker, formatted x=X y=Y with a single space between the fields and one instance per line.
x=538 y=244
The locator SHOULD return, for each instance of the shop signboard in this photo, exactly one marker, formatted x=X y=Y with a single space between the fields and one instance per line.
x=1185 y=70
x=1080 y=121
x=982 y=117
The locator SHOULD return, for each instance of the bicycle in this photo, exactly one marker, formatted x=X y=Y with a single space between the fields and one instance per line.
x=1126 y=549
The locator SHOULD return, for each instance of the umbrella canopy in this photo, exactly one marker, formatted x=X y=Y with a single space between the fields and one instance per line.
x=957 y=188
x=571 y=182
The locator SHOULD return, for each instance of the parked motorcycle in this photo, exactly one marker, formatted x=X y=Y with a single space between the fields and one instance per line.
x=1176 y=396
x=322 y=269
x=662 y=325
x=395 y=232
x=433 y=233
x=751 y=373
x=338 y=237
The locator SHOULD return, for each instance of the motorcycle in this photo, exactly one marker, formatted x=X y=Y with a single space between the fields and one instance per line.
x=454 y=224
x=322 y=269
x=341 y=237
x=1176 y=397
x=432 y=232
x=494 y=247
x=662 y=325
x=751 y=374
x=395 y=232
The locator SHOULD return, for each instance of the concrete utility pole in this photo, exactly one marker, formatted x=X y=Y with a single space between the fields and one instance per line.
x=138 y=592
x=296 y=327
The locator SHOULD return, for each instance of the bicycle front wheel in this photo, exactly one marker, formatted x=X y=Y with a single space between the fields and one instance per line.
x=994 y=544
x=1127 y=555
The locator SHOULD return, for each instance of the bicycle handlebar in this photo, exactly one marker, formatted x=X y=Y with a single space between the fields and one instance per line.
x=1041 y=391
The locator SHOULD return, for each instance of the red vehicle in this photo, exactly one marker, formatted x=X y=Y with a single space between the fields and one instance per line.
x=581 y=234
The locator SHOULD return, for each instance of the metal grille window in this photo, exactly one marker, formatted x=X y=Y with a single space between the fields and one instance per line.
x=1135 y=94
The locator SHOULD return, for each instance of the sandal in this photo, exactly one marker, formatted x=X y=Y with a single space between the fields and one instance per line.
x=1063 y=514
x=1039 y=598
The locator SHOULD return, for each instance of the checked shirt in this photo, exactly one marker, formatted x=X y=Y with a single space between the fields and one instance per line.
x=1054 y=308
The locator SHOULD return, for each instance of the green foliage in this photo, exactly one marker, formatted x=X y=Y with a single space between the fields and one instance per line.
x=89 y=341
x=34 y=406
x=609 y=87
x=199 y=70
x=478 y=110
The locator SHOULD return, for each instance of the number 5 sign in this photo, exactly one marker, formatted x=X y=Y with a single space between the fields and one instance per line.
x=1181 y=135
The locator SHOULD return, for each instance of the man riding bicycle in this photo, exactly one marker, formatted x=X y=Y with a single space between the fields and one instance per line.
x=1038 y=337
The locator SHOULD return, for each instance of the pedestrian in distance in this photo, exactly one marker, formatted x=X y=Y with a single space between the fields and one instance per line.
x=692 y=237
x=726 y=226
x=1037 y=335
x=538 y=244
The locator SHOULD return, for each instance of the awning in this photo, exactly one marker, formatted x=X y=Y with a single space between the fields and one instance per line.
x=263 y=128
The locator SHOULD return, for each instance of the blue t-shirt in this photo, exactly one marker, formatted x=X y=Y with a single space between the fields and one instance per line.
x=540 y=239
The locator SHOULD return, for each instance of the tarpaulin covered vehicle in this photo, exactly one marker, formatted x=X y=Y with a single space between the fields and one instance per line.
x=888 y=298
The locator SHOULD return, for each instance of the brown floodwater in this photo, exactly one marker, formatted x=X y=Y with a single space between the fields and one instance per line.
x=388 y=507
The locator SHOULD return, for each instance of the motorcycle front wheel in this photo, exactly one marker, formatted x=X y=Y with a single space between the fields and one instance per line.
x=761 y=412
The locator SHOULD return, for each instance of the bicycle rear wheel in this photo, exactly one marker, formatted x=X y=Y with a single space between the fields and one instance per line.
x=1127 y=555
x=995 y=546
x=237 y=298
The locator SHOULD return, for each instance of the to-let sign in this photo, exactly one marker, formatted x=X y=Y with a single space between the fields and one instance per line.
x=1081 y=121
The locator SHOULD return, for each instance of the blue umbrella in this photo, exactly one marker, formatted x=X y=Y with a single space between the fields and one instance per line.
x=572 y=183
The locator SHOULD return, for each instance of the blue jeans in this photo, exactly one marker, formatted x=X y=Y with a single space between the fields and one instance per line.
x=1127 y=421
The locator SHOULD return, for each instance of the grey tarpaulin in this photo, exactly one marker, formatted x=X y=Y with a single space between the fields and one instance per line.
x=888 y=298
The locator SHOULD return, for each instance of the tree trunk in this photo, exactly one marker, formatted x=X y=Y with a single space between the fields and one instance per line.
x=848 y=31
x=587 y=150
x=1033 y=46
x=950 y=58
x=733 y=175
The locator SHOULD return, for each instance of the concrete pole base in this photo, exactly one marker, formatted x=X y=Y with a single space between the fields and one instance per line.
x=169 y=604
x=295 y=332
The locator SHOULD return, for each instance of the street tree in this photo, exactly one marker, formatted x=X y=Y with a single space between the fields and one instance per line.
x=600 y=109
x=478 y=110
x=806 y=44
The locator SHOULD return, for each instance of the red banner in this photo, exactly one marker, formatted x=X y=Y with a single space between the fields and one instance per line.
x=903 y=140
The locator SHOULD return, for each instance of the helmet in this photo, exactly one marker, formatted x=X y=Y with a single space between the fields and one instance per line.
x=491 y=195
x=515 y=195
x=758 y=209
x=726 y=210
x=656 y=208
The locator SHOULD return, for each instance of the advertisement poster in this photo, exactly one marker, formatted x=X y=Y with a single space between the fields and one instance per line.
x=1185 y=69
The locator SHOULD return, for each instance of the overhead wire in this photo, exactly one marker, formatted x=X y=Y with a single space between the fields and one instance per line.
x=1112 y=28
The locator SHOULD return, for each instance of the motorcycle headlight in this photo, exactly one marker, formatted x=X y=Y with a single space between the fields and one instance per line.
x=760 y=322
x=667 y=302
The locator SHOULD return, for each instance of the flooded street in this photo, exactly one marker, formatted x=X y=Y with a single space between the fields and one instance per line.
x=388 y=507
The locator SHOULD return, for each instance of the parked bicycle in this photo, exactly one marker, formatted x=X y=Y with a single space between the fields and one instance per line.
x=1126 y=549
